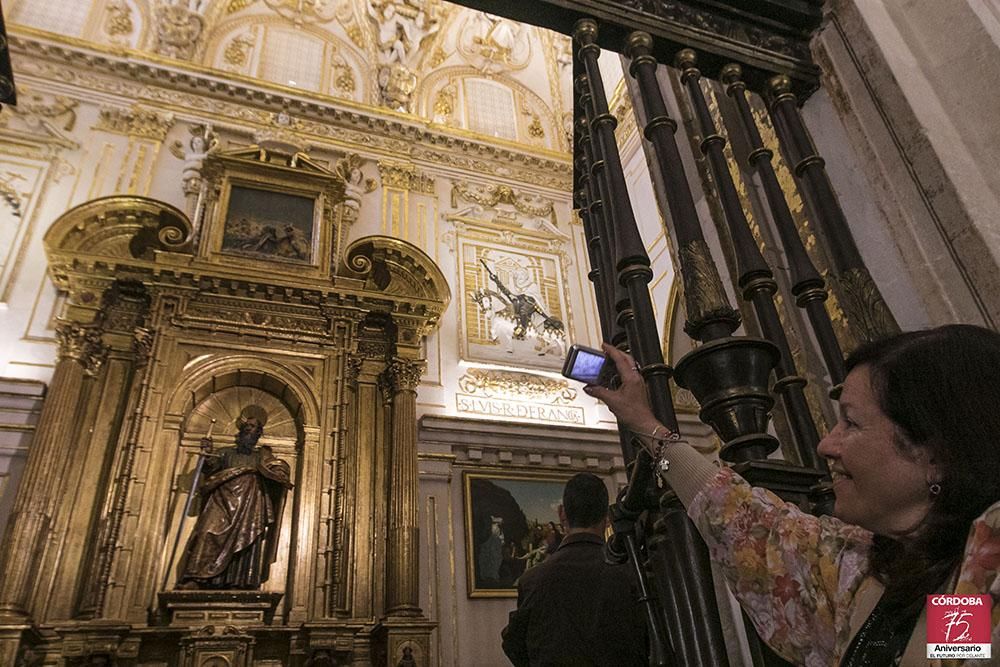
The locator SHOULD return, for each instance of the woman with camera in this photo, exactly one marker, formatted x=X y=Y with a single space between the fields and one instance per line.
x=915 y=464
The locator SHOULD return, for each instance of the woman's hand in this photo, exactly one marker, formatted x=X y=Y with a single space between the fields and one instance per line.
x=629 y=402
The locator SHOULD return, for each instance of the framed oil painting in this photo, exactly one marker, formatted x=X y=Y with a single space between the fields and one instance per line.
x=511 y=525
x=270 y=225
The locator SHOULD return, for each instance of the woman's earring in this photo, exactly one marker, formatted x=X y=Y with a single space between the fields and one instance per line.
x=934 y=488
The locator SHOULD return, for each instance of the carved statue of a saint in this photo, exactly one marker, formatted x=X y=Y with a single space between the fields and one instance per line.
x=242 y=491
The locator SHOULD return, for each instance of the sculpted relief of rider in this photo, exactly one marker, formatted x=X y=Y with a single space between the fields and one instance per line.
x=522 y=314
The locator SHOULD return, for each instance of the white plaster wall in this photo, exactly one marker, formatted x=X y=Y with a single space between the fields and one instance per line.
x=915 y=84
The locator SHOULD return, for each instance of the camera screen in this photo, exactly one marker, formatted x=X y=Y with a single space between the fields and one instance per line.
x=587 y=367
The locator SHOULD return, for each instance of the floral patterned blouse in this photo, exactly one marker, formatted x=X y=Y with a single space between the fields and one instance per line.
x=796 y=575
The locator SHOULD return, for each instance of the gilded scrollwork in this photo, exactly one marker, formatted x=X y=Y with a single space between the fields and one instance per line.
x=490 y=196
x=517 y=386
x=118 y=21
x=405 y=176
x=237 y=51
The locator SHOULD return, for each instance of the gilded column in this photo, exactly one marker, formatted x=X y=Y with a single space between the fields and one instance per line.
x=80 y=350
x=402 y=555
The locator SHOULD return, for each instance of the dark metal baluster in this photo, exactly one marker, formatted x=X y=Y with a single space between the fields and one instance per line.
x=683 y=574
x=754 y=275
x=728 y=375
x=808 y=286
x=866 y=310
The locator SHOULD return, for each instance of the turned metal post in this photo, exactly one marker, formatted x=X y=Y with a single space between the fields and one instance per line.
x=861 y=300
x=755 y=278
x=728 y=375
x=808 y=286
x=686 y=593
x=605 y=287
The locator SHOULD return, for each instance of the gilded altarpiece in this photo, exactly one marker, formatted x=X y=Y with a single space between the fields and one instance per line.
x=173 y=332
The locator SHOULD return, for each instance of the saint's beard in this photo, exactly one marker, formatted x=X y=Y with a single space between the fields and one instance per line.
x=246 y=439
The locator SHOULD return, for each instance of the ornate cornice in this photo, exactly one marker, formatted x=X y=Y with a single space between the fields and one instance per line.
x=246 y=104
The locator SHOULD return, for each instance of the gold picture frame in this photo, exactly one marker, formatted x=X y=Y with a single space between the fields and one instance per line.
x=511 y=525
x=273 y=213
x=267 y=224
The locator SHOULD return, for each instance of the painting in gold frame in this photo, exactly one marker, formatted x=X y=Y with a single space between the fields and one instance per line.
x=511 y=525
x=270 y=225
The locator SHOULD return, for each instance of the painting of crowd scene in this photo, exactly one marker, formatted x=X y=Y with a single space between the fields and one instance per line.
x=512 y=525
x=273 y=225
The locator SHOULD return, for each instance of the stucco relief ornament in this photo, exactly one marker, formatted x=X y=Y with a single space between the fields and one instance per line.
x=179 y=24
x=401 y=28
x=280 y=136
x=302 y=11
x=355 y=183
x=493 y=44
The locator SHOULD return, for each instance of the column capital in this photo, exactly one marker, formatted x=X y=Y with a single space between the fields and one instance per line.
x=404 y=374
x=81 y=343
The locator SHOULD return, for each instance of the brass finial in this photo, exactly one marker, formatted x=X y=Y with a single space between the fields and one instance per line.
x=686 y=59
x=779 y=85
x=585 y=28
x=730 y=73
x=638 y=43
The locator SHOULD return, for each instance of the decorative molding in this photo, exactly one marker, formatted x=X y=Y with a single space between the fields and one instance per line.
x=515 y=385
x=766 y=38
x=358 y=127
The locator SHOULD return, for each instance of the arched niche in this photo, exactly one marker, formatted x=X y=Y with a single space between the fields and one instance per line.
x=217 y=387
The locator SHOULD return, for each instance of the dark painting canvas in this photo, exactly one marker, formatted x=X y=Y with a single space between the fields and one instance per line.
x=267 y=224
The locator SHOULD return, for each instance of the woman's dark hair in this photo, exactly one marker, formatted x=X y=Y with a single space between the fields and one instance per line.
x=941 y=388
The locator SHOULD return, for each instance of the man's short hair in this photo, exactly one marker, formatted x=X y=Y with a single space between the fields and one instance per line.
x=585 y=500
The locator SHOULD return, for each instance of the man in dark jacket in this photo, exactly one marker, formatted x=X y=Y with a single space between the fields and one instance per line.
x=574 y=608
